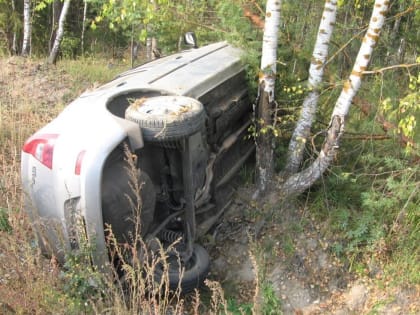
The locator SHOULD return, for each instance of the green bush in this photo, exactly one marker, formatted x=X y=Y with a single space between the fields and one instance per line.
x=4 y=221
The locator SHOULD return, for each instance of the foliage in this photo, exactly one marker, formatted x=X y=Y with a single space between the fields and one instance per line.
x=165 y=20
x=405 y=113
x=81 y=281
x=238 y=309
x=373 y=215
x=271 y=302
x=69 y=47
x=4 y=221
x=10 y=23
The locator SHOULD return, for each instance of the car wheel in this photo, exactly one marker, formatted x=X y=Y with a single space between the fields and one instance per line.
x=167 y=118
x=117 y=210
x=195 y=270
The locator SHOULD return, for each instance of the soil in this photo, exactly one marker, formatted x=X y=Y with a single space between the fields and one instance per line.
x=284 y=246
x=288 y=249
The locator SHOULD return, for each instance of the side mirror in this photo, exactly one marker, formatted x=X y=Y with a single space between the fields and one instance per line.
x=190 y=39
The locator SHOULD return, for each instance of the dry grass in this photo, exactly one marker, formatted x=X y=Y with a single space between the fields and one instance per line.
x=28 y=282
x=31 y=96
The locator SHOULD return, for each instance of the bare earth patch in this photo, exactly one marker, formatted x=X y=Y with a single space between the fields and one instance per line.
x=298 y=261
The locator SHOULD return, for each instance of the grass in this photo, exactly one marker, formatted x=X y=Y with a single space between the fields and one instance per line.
x=371 y=206
x=28 y=281
x=90 y=72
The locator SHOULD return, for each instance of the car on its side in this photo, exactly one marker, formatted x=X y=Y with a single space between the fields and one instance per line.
x=184 y=117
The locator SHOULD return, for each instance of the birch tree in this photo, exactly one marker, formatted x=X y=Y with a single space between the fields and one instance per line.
x=82 y=37
x=27 y=27
x=60 y=33
x=266 y=103
x=55 y=18
x=14 y=48
x=299 y=182
x=316 y=70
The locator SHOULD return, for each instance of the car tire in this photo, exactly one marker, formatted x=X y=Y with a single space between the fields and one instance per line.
x=118 y=211
x=167 y=118
x=194 y=273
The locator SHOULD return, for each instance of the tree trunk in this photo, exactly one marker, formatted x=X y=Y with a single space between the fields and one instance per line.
x=149 y=48
x=56 y=9
x=13 y=47
x=82 y=39
x=301 y=181
x=155 y=49
x=27 y=27
x=266 y=103
x=397 y=23
x=14 y=44
x=60 y=33
x=316 y=70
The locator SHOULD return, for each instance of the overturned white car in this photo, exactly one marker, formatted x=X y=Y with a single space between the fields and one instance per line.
x=185 y=118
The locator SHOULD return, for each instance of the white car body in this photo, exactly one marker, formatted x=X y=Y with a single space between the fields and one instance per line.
x=62 y=163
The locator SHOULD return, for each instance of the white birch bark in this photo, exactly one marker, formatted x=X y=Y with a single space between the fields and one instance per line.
x=60 y=32
x=155 y=53
x=148 y=48
x=56 y=10
x=14 y=38
x=26 y=27
x=269 y=47
x=82 y=39
x=301 y=181
x=352 y=85
x=267 y=80
x=316 y=71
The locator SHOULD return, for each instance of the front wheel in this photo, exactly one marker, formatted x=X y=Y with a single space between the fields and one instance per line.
x=193 y=272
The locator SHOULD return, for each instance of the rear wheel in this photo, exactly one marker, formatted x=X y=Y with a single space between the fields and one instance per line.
x=167 y=118
x=119 y=202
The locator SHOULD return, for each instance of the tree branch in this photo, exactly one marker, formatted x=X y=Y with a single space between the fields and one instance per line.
x=366 y=137
x=254 y=18
x=365 y=107
x=382 y=70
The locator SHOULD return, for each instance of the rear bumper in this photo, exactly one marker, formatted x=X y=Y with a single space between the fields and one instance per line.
x=65 y=206
x=67 y=210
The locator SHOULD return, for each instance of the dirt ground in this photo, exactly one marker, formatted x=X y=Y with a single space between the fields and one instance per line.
x=286 y=246
x=297 y=260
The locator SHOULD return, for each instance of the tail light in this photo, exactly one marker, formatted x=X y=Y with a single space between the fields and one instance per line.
x=79 y=160
x=41 y=147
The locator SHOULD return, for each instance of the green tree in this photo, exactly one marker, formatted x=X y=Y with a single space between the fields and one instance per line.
x=10 y=25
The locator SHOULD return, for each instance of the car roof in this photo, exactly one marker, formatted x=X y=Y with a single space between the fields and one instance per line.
x=190 y=73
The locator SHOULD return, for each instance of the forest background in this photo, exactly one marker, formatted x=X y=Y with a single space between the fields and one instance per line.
x=368 y=201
